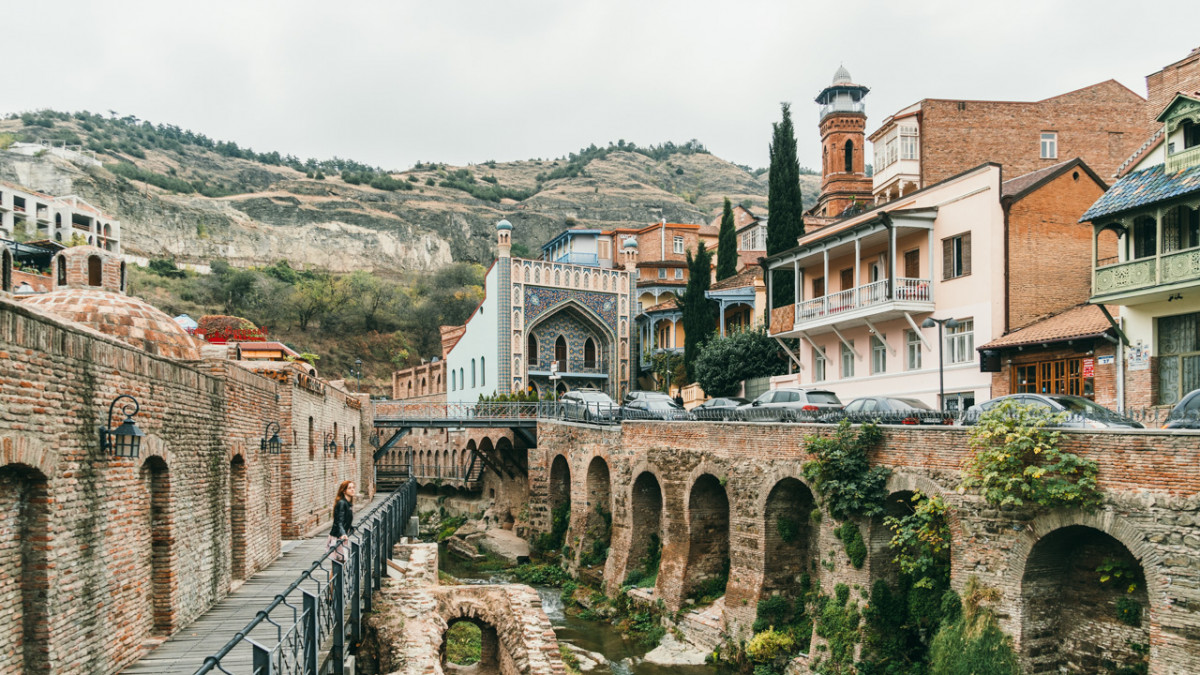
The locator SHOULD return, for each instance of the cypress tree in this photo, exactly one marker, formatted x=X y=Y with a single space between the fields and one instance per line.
x=785 y=223
x=727 y=255
x=699 y=319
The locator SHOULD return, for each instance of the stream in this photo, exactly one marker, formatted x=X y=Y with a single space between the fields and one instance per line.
x=621 y=656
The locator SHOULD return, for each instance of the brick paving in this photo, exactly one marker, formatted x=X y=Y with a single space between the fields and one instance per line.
x=185 y=651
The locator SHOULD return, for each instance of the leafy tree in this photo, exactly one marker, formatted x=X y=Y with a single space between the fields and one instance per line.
x=314 y=298
x=724 y=362
x=921 y=541
x=165 y=267
x=698 y=315
x=1016 y=458
x=786 y=223
x=727 y=254
x=667 y=367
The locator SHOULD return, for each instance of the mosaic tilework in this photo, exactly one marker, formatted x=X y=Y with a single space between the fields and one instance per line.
x=538 y=300
x=504 y=326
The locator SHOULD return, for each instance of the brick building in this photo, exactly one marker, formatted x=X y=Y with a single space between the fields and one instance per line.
x=933 y=139
x=426 y=382
x=844 y=181
x=99 y=553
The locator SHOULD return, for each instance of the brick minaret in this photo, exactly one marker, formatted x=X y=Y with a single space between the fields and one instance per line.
x=843 y=145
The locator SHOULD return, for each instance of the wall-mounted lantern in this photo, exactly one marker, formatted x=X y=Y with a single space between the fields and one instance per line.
x=125 y=440
x=270 y=443
x=351 y=448
x=331 y=443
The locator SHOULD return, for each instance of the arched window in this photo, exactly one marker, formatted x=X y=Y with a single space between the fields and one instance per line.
x=560 y=352
x=423 y=390
x=849 y=156
x=473 y=384
x=6 y=271
x=312 y=440
x=531 y=347
x=60 y=266
x=453 y=381
x=58 y=220
x=462 y=379
x=94 y=267
x=482 y=373
x=589 y=354
x=122 y=276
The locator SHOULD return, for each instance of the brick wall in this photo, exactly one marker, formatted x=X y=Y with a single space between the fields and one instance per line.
x=1150 y=480
x=1103 y=124
x=113 y=551
x=1049 y=251
x=1181 y=76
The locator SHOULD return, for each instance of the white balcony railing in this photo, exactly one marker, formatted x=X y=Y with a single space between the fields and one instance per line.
x=870 y=295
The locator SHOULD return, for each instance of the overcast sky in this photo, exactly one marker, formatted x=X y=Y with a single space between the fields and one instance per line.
x=391 y=83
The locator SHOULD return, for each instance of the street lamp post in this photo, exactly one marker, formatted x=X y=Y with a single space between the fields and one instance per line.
x=358 y=372
x=949 y=323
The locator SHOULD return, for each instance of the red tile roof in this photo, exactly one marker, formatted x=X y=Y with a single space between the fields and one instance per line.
x=1077 y=323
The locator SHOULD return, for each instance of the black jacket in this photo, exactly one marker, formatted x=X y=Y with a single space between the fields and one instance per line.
x=343 y=519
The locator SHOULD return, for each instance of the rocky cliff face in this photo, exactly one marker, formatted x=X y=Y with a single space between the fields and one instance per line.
x=279 y=213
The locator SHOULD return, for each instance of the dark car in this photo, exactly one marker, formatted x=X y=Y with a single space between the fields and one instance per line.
x=587 y=405
x=889 y=410
x=654 y=409
x=723 y=408
x=1186 y=413
x=1081 y=413
x=790 y=405
x=642 y=395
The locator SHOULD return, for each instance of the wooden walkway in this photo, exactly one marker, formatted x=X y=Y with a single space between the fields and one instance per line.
x=185 y=651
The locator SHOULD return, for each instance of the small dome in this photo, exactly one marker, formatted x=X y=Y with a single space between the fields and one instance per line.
x=128 y=319
x=504 y=225
x=630 y=243
x=842 y=76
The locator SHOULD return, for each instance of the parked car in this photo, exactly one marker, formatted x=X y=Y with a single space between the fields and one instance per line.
x=1081 y=413
x=654 y=409
x=1186 y=413
x=889 y=410
x=587 y=405
x=723 y=408
x=790 y=405
x=641 y=395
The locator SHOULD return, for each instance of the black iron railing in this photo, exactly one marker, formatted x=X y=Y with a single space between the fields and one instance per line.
x=319 y=634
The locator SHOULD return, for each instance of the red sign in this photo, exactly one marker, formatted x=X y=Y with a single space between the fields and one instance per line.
x=223 y=335
x=1089 y=367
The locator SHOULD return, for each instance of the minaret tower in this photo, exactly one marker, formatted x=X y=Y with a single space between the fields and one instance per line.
x=844 y=180
x=504 y=239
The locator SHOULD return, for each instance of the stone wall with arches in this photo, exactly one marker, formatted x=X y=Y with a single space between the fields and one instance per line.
x=1043 y=563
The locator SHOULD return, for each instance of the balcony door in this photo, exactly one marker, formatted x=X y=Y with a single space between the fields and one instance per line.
x=912 y=264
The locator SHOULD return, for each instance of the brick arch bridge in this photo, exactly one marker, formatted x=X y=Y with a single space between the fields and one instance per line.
x=710 y=491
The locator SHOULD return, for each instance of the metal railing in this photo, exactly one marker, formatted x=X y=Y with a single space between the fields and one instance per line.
x=319 y=634
x=605 y=413
x=868 y=295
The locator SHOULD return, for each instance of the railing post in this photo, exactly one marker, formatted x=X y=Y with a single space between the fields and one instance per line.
x=356 y=586
x=337 y=653
x=312 y=632
x=260 y=659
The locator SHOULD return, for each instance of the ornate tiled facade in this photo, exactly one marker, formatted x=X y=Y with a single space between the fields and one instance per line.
x=577 y=302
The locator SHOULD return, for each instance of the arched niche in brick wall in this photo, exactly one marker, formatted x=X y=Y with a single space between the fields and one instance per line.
x=24 y=518
x=29 y=451
x=708 y=560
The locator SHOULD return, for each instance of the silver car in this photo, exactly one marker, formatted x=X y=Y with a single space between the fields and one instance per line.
x=790 y=405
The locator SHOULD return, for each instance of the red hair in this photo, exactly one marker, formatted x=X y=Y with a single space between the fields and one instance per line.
x=341 y=493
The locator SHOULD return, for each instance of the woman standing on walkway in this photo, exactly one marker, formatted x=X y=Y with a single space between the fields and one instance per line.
x=343 y=520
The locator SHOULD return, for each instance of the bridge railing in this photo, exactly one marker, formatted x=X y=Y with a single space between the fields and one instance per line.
x=612 y=413
x=315 y=631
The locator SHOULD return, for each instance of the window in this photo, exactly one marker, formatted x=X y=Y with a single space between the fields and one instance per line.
x=818 y=366
x=960 y=342
x=473 y=385
x=678 y=245
x=1049 y=145
x=878 y=355
x=531 y=347
x=453 y=381
x=560 y=352
x=819 y=287
x=912 y=340
x=462 y=380
x=909 y=143
x=589 y=354
x=956 y=256
x=678 y=272
x=637 y=274
x=1181 y=229
x=1178 y=356
x=1060 y=376
x=1145 y=237
x=482 y=373
x=662 y=273
x=912 y=264
x=848 y=359
x=849 y=156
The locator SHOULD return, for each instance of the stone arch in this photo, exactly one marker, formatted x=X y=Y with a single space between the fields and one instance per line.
x=157 y=518
x=1055 y=559
x=597 y=534
x=708 y=536
x=31 y=452
x=559 y=498
x=95 y=270
x=646 y=535
x=25 y=584
x=501 y=647
x=238 y=494
x=447 y=469
x=789 y=539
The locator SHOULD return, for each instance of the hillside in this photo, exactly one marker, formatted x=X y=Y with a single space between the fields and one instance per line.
x=181 y=195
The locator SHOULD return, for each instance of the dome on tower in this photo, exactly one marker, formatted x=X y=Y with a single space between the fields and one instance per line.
x=630 y=243
x=842 y=76
x=504 y=225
